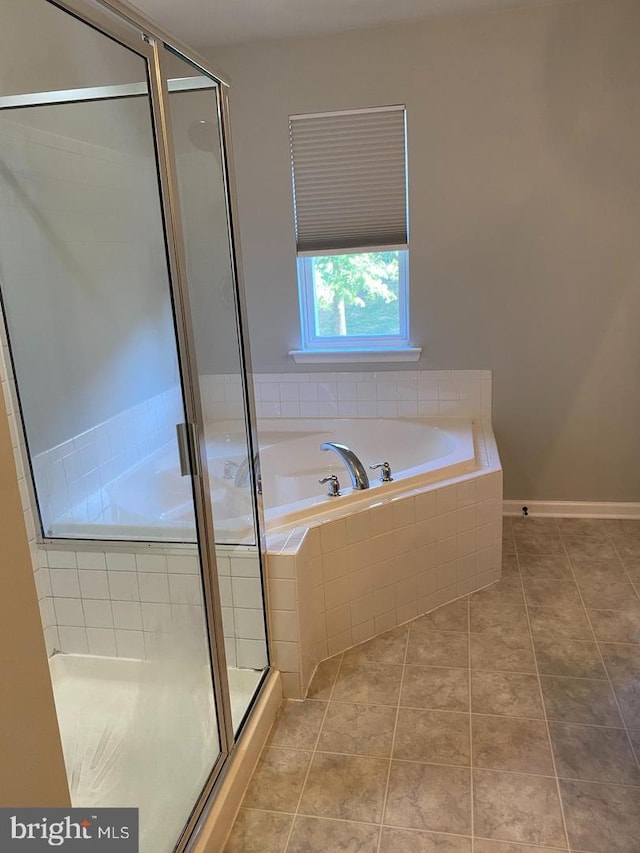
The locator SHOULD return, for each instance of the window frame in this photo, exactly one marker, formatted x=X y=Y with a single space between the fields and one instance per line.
x=311 y=342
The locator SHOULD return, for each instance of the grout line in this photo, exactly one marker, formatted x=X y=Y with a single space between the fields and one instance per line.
x=600 y=655
x=544 y=708
x=313 y=754
x=393 y=742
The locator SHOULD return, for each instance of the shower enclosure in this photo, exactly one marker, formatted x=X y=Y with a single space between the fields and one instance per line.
x=130 y=396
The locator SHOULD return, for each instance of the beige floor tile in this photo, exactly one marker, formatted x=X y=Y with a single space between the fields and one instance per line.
x=579 y=547
x=389 y=647
x=506 y=693
x=438 y=648
x=319 y=835
x=428 y=796
x=545 y=592
x=510 y=568
x=594 y=528
x=560 y=622
x=596 y=569
x=572 y=658
x=437 y=688
x=277 y=781
x=438 y=737
x=483 y=846
x=259 y=832
x=601 y=818
x=580 y=700
x=605 y=595
x=347 y=787
x=517 y=807
x=413 y=841
x=324 y=678
x=622 y=662
x=498 y=618
x=450 y=617
x=538 y=543
x=545 y=566
x=358 y=729
x=628 y=695
x=593 y=754
x=489 y=651
x=538 y=526
x=505 y=591
x=509 y=743
x=615 y=626
x=297 y=724
x=368 y=683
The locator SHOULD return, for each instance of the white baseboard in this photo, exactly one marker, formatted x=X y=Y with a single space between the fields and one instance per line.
x=573 y=509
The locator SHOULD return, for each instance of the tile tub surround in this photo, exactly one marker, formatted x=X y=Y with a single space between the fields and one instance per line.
x=515 y=734
x=343 y=581
x=365 y=394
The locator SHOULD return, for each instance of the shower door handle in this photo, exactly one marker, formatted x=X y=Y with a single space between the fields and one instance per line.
x=187 y=437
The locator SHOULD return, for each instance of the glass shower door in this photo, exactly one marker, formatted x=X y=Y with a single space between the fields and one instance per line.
x=90 y=319
x=195 y=103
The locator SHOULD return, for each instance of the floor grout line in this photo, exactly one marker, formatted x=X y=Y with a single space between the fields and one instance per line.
x=393 y=742
x=313 y=754
x=544 y=710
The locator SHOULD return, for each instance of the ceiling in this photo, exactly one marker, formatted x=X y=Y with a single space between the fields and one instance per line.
x=215 y=22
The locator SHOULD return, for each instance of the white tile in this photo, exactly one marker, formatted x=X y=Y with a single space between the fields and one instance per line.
x=466 y=518
x=363 y=631
x=151 y=563
x=91 y=560
x=387 y=408
x=93 y=584
x=339 y=642
x=153 y=587
x=185 y=589
x=249 y=624
x=338 y=620
x=404 y=512
x=358 y=526
x=69 y=611
x=446 y=550
x=73 y=641
x=156 y=617
x=123 y=586
x=245 y=567
x=117 y=562
x=61 y=559
x=445 y=525
x=183 y=565
x=282 y=594
x=102 y=641
x=130 y=644
x=127 y=615
x=97 y=614
x=251 y=654
x=446 y=500
x=65 y=583
x=247 y=592
x=333 y=535
x=280 y=566
x=284 y=625
x=336 y=593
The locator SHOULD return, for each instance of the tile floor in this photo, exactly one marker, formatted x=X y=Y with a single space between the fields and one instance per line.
x=504 y=722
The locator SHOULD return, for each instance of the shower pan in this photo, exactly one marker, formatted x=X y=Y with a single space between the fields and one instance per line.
x=122 y=332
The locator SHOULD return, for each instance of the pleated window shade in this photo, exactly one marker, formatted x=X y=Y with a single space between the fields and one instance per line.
x=349 y=180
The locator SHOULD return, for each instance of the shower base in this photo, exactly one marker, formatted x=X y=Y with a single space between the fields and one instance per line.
x=131 y=731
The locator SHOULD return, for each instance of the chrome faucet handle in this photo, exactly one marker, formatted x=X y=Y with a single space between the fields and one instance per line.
x=385 y=474
x=334 y=486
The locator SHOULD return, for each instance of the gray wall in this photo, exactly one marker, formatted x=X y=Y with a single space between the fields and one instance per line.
x=524 y=208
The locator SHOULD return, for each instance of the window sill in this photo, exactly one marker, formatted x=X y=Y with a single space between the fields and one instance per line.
x=355 y=356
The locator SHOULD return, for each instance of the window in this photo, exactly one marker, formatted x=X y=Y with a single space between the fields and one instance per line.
x=350 y=204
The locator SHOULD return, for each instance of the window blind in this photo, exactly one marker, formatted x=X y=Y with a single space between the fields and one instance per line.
x=349 y=180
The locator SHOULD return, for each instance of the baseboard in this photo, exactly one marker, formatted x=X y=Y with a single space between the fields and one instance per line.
x=573 y=509
x=218 y=822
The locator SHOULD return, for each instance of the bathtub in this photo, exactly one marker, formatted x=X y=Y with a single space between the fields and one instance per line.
x=153 y=502
x=419 y=451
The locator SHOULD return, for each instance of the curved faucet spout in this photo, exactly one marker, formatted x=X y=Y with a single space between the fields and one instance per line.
x=354 y=466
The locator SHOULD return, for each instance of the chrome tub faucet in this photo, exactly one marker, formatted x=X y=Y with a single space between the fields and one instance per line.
x=354 y=466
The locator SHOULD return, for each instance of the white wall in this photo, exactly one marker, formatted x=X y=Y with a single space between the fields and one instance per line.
x=524 y=196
